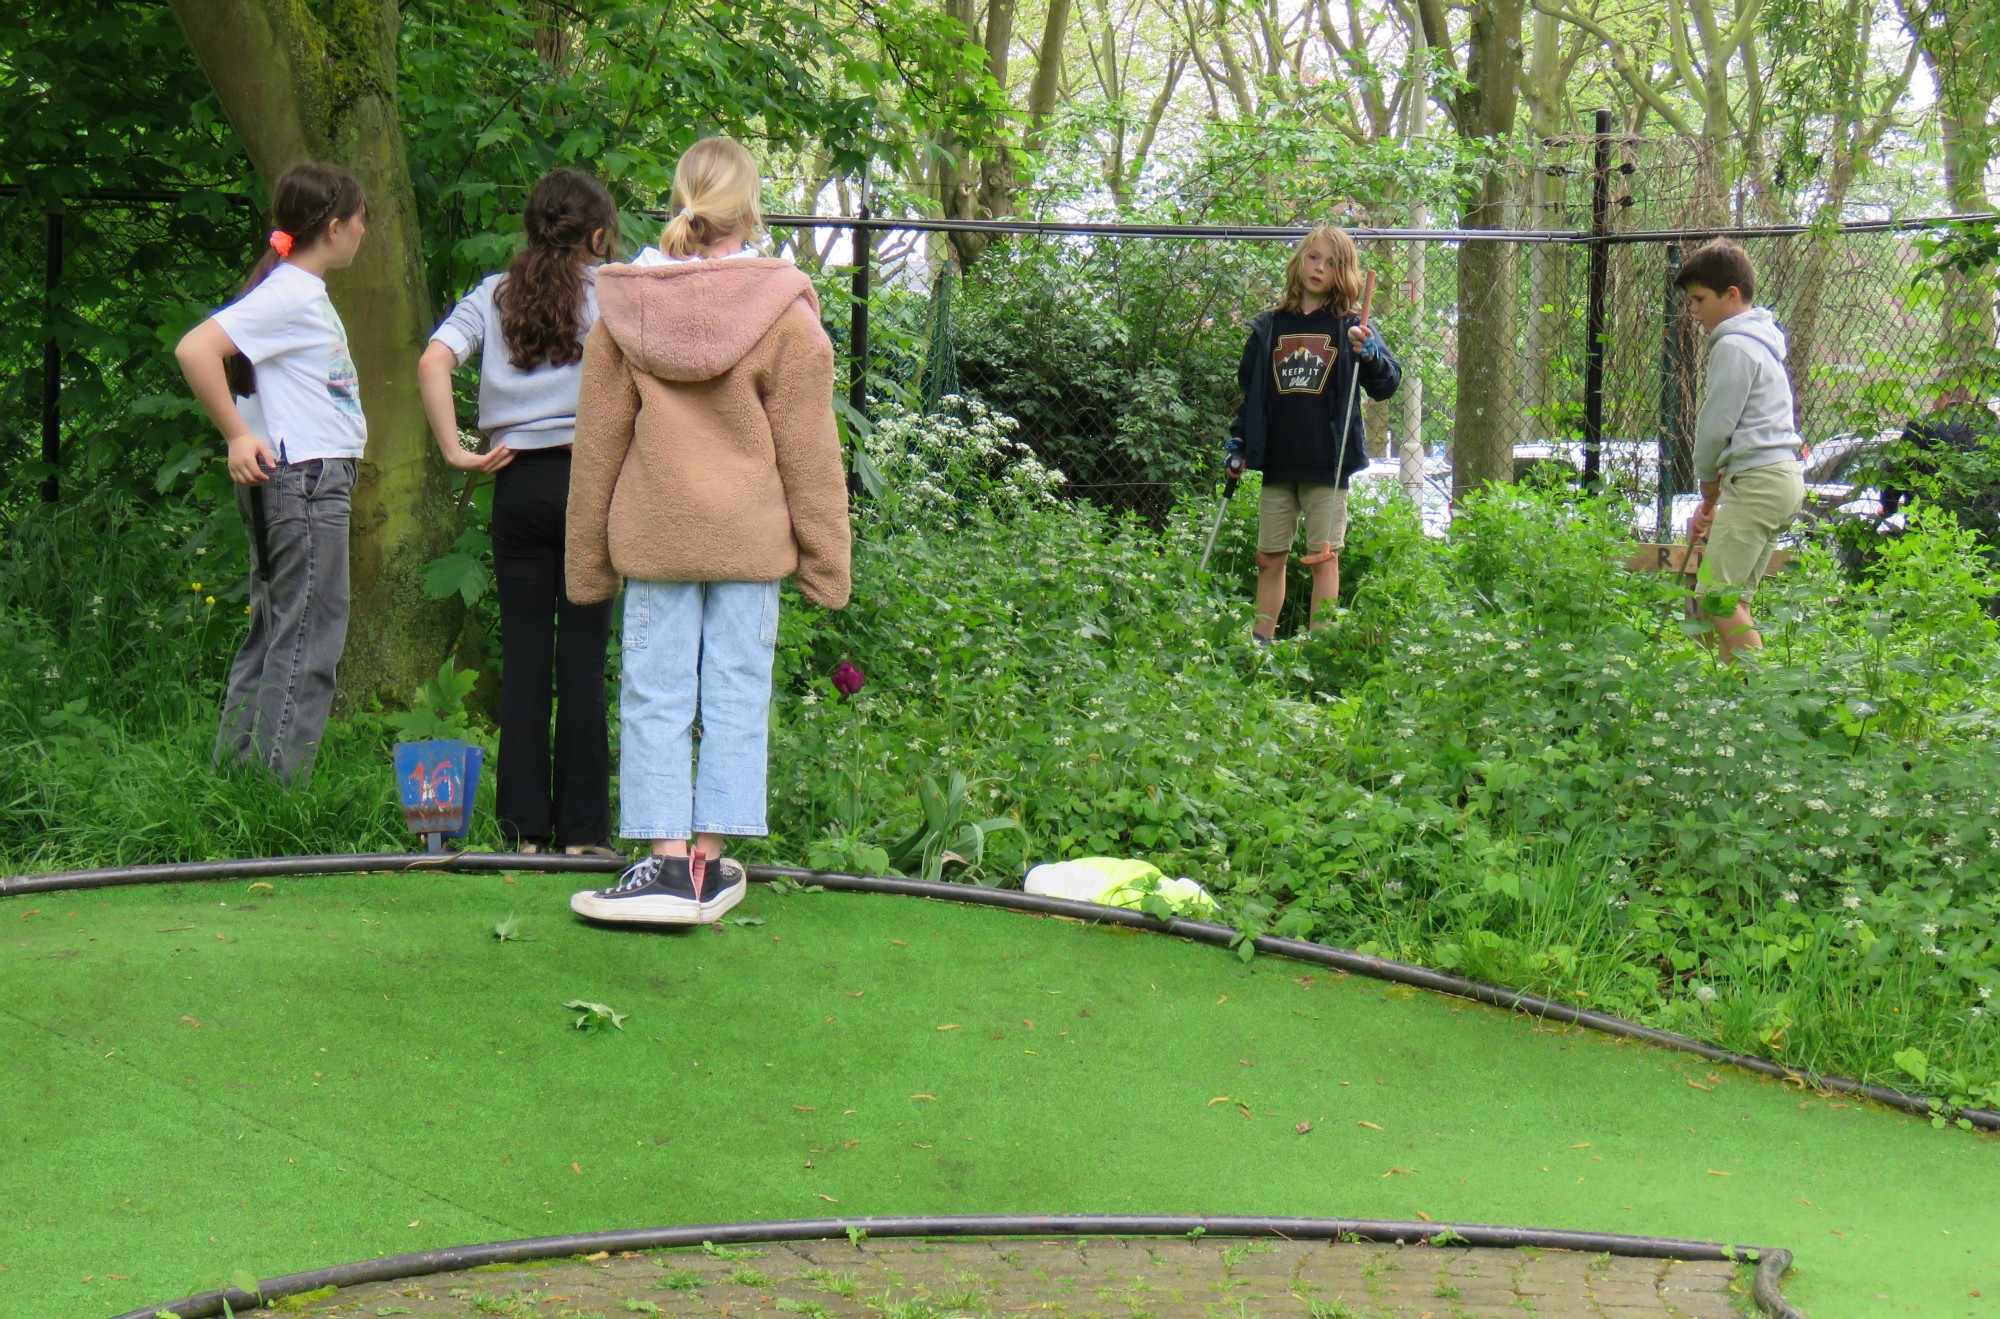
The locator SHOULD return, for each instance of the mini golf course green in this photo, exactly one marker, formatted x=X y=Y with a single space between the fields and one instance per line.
x=278 y=1075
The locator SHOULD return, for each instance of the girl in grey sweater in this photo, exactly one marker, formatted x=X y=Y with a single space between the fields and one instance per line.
x=526 y=327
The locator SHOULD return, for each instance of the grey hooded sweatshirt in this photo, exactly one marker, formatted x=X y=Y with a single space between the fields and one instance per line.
x=1746 y=414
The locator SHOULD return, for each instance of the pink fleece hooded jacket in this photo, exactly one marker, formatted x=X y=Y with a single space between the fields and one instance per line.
x=706 y=449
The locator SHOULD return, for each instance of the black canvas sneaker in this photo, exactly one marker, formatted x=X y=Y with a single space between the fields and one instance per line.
x=667 y=890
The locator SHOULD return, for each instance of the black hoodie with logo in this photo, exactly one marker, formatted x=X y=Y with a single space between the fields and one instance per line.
x=1295 y=376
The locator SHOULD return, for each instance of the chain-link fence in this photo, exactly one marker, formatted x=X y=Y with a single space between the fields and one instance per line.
x=1115 y=347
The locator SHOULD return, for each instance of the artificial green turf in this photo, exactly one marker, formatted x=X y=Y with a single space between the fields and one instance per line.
x=373 y=1072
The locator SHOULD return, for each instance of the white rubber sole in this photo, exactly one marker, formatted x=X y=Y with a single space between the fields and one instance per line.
x=660 y=909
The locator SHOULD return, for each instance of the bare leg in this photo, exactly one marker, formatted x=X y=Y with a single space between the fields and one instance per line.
x=1326 y=588
x=1735 y=632
x=1270 y=592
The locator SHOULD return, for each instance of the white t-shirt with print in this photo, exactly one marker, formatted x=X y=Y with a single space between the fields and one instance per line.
x=306 y=383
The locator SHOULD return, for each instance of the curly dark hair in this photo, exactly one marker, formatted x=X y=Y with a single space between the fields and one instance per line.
x=571 y=221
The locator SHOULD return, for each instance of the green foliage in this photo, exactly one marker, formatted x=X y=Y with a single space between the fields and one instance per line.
x=929 y=467
x=1130 y=389
x=595 y=1016
x=438 y=708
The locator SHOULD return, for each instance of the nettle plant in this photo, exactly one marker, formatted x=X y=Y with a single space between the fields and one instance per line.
x=963 y=453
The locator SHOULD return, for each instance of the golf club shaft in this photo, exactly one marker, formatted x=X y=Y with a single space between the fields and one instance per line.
x=1228 y=489
x=1354 y=373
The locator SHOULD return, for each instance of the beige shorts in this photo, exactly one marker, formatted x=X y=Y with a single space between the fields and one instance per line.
x=1278 y=511
x=1756 y=508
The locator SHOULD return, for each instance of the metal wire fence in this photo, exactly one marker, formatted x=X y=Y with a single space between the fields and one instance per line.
x=1115 y=346
x=1117 y=351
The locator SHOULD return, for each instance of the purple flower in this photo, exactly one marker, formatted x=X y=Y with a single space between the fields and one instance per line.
x=848 y=680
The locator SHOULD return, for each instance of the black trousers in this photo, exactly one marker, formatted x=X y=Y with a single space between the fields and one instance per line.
x=562 y=799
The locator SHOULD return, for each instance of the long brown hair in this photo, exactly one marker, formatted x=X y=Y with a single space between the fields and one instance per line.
x=715 y=195
x=571 y=221
x=1345 y=295
x=307 y=200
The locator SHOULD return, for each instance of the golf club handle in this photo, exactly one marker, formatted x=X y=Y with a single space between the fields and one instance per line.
x=1367 y=298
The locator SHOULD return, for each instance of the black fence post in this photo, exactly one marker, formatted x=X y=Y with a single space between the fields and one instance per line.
x=52 y=355
x=857 y=342
x=857 y=338
x=1672 y=327
x=1594 y=316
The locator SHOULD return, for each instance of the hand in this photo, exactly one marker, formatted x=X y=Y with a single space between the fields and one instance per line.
x=1367 y=344
x=1233 y=463
x=466 y=460
x=1704 y=518
x=251 y=461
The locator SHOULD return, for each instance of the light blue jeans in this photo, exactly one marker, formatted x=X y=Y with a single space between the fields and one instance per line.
x=696 y=648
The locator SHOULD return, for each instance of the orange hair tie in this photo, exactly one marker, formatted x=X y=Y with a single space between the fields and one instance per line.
x=282 y=241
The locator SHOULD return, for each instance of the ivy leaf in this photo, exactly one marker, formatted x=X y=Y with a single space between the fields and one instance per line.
x=460 y=574
x=595 y=1016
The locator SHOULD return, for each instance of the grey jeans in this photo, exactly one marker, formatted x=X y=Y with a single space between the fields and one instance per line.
x=281 y=683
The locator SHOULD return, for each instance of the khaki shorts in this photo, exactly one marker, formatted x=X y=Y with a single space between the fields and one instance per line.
x=1755 y=509
x=1278 y=510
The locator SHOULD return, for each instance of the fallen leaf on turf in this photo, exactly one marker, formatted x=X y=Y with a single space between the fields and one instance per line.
x=1370 y=1125
x=850 y=1144
x=1303 y=1127
x=1029 y=1024
x=1713 y=1173
x=171 y=929
x=191 y=1021
x=854 y=993
x=805 y=1108
x=899 y=943
x=1584 y=1146
x=920 y=1144
x=827 y=1022
x=953 y=1026
x=602 y=1254
x=260 y=884
x=413 y=1222
x=576 y=1168
x=1393 y=1171
x=1699 y=1086
x=931 y=1097
x=1220 y=1099
x=829 y=1199
x=1220 y=1001
x=1421 y=1214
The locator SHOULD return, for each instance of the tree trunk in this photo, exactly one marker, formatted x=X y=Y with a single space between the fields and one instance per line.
x=1488 y=414
x=1967 y=330
x=299 y=87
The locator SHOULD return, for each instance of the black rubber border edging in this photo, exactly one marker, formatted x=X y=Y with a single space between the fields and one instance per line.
x=1772 y=1264
x=1341 y=959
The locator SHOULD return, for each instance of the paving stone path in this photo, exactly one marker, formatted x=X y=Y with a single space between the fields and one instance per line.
x=1091 y=1278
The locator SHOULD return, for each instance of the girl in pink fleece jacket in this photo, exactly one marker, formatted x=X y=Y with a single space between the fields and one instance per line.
x=707 y=468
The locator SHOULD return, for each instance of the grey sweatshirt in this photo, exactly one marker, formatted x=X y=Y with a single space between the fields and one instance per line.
x=534 y=409
x=1746 y=412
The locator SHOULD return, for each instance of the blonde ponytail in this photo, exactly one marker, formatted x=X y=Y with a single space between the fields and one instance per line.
x=716 y=189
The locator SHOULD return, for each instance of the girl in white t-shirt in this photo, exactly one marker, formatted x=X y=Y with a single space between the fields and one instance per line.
x=282 y=344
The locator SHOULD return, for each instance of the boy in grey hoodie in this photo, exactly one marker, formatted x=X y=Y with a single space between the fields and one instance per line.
x=1746 y=449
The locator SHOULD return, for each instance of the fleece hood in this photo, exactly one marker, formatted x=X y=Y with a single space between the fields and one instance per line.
x=1758 y=324
x=695 y=320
